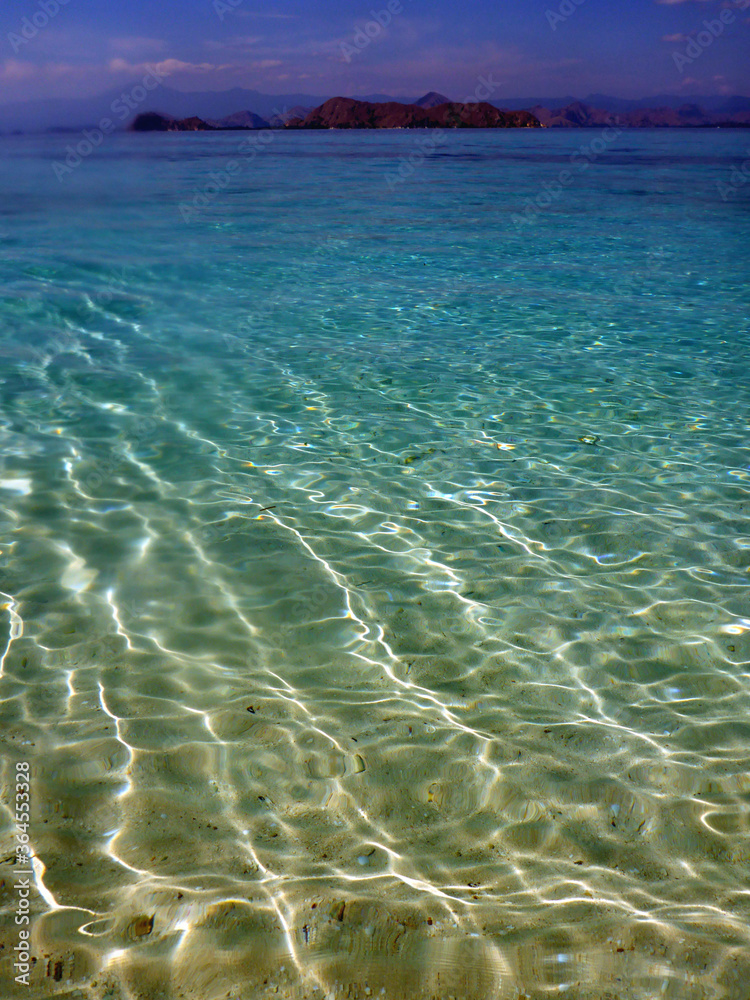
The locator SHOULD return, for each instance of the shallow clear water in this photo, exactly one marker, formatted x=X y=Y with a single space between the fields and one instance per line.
x=374 y=566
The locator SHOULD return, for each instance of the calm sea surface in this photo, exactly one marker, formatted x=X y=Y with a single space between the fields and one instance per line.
x=374 y=565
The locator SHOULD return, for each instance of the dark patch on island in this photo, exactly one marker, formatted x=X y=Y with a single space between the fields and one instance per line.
x=242 y=121
x=150 y=121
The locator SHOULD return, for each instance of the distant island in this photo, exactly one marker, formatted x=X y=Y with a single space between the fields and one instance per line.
x=348 y=113
x=580 y=115
x=437 y=111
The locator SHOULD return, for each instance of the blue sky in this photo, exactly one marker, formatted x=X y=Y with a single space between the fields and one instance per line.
x=526 y=47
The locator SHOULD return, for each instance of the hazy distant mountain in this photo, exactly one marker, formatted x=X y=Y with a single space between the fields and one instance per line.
x=575 y=115
x=715 y=103
x=240 y=119
x=581 y=115
x=432 y=100
x=383 y=98
x=279 y=121
x=521 y=103
x=731 y=105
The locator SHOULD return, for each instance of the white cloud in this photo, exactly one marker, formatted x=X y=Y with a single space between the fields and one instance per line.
x=239 y=43
x=14 y=69
x=136 y=45
x=165 y=68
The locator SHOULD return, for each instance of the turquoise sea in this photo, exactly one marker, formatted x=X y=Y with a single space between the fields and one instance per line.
x=374 y=565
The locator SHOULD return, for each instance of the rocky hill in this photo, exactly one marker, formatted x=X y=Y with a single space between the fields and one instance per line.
x=580 y=115
x=432 y=100
x=348 y=113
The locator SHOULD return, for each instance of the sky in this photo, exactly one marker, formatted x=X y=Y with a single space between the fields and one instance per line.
x=521 y=48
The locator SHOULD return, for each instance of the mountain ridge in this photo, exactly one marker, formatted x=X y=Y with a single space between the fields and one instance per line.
x=118 y=105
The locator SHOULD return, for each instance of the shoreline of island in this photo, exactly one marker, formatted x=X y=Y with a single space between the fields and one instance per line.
x=433 y=111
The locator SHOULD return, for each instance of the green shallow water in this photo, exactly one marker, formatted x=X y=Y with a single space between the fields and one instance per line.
x=374 y=568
